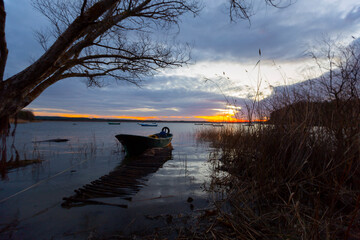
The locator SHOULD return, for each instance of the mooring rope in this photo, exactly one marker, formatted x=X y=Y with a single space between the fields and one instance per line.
x=44 y=180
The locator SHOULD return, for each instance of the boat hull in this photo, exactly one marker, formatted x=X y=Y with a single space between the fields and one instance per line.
x=148 y=125
x=135 y=145
x=113 y=123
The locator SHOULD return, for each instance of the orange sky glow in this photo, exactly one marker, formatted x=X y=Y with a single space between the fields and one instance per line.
x=214 y=118
x=221 y=118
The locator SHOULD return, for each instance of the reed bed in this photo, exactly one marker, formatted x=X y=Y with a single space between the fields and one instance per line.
x=293 y=178
x=292 y=182
x=298 y=175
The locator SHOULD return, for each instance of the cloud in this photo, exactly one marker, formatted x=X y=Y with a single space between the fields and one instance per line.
x=354 y=15
x=21 y=23
x=281 y=34
x=129 y=100
x=51 y=110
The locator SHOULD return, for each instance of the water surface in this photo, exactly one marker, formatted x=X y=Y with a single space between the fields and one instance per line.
x=34 y=210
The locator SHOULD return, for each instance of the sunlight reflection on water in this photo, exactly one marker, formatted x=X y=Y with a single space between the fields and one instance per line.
x=91 y=152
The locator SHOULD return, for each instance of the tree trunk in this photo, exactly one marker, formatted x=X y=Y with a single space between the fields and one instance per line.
x=4 y=133
x=4 y=118
x=3 y=47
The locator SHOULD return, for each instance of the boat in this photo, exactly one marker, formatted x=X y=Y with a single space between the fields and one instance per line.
x=113 y=123
x=134 y=144
x=148 y=124
x=53 y=140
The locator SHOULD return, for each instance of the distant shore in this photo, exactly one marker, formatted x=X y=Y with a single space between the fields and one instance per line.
x=69 y=119
x=49 y=118
x=46 y=118
x=12 y=120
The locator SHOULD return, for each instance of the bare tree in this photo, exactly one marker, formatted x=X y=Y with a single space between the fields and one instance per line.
x=340 y=88
x=95 y=39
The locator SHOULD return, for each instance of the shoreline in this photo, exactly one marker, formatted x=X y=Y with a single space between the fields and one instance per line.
x=45 y=118
x=12 y=121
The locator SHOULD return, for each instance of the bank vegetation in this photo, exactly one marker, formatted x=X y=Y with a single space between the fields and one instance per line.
x=297 y=177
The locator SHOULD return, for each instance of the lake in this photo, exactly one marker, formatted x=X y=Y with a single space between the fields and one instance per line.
x=31 y=196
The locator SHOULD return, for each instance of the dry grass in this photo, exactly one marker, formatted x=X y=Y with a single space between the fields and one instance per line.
x=297 y=177
x=292 y=178
x=286 y=182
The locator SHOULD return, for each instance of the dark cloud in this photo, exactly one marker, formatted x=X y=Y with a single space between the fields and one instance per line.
x=73 y=95
x=280 y=33
x=354 y=15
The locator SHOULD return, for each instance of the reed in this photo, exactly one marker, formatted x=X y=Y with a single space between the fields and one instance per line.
x=298 y=176
x=286 y=183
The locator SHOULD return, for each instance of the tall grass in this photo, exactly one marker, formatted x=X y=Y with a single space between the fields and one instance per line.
x=297 y=177
x=287 y=182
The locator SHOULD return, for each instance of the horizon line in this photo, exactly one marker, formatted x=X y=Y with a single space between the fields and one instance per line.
x=54 y=118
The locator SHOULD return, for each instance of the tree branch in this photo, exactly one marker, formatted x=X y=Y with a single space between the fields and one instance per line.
x=103 y=22
x=35 y=73
x=3 y=45
x=83 y=8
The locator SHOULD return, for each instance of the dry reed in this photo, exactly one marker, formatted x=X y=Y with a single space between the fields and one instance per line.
x=297 y=177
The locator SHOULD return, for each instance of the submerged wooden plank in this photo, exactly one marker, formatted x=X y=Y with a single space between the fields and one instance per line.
x=123 y=182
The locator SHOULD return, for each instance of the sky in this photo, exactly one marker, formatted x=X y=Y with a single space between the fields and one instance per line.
x=224 y=68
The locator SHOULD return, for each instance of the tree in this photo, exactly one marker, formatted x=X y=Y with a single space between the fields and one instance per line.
x=339 y=85
x=93 y=39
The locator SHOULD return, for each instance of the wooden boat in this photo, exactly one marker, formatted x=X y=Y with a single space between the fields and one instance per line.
x=135 y=144
x=148 y=124
x=53 y=140
x=113 y=123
